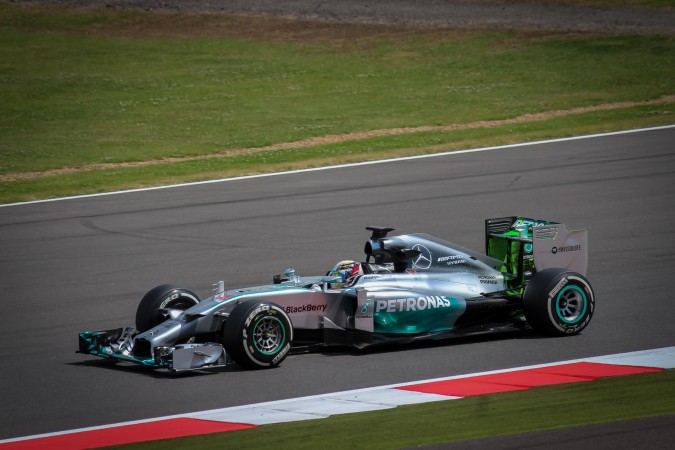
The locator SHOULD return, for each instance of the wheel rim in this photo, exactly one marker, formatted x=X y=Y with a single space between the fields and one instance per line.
x=571 y=304
x=180 y=303
x=269 y=335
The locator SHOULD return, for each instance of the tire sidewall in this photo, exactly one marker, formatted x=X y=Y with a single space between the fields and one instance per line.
x=162 y=297
x=570 y=282
x=240 y=331
x=543 y=301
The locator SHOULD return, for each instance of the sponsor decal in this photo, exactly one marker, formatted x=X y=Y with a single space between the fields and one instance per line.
x=528 y=248
x=523 y=224
x=371 y=277
x=168 y=299
x=451 y=260
x=220 y=297
x=175 y=296
x=487 y=279
x=305 y=308
x=364 y=310
x=567 y=248
x=255 y=312
x=282 y=353
x=412 y=304
x=423 y=260
x=558 y=287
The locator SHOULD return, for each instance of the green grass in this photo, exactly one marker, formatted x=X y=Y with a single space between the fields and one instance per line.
x=68 y=99
x=121 y=178
x=554 y=407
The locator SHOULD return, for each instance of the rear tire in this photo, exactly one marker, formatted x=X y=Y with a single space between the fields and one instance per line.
x=559 y=302
x=258 y=335
x=166 y=296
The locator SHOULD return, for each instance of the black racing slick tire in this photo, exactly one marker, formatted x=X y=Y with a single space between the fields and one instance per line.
x=558 y=302
x=258 y=335
x=167 y=296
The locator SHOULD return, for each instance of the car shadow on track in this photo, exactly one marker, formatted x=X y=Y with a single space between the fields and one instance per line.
x=394 y=347
x=131 y=368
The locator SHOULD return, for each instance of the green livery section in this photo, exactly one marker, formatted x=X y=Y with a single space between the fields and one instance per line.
x=509 y=239
x=427 y=314
x=98 y=343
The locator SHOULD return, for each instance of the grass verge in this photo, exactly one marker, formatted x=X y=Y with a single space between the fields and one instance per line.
x=544 y=408
x=127 y=177
x=86 y=88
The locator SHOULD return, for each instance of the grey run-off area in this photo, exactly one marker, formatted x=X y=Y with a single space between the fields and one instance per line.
x=445 y=13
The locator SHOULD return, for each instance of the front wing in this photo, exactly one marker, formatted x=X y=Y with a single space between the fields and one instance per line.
x=118 y=344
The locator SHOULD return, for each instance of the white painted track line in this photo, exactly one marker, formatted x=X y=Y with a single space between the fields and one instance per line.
x=384 y=397
x=663 y=358
x=369 y=399
x=340 y=166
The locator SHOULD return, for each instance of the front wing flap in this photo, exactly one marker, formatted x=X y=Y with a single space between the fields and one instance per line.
x=118 y=344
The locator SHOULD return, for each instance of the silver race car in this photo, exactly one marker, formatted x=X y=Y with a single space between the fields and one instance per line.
x=410 y=287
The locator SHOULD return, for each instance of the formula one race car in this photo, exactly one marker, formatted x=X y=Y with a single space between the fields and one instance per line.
x=411 y=287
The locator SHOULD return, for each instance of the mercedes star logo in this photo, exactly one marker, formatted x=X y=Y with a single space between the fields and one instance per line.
x=423 y=260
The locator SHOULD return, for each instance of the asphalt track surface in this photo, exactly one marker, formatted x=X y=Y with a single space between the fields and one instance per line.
x=83 y=264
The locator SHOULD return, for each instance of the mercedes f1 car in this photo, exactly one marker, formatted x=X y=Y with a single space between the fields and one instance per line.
x=410 y=287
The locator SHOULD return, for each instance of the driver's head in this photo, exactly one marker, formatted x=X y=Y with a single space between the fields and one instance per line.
x=347 y=270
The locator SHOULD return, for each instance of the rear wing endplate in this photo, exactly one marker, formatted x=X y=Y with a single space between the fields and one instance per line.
x=556 y=246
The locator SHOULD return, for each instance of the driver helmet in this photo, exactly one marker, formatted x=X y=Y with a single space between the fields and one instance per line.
x=347 y=270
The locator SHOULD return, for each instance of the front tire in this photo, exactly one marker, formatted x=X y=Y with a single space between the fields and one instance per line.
x=559 y=302
x=258 y=335
x=167 y=296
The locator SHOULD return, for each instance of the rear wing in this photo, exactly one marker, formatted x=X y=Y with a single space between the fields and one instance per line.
x=558 y=246
x=529 y=245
